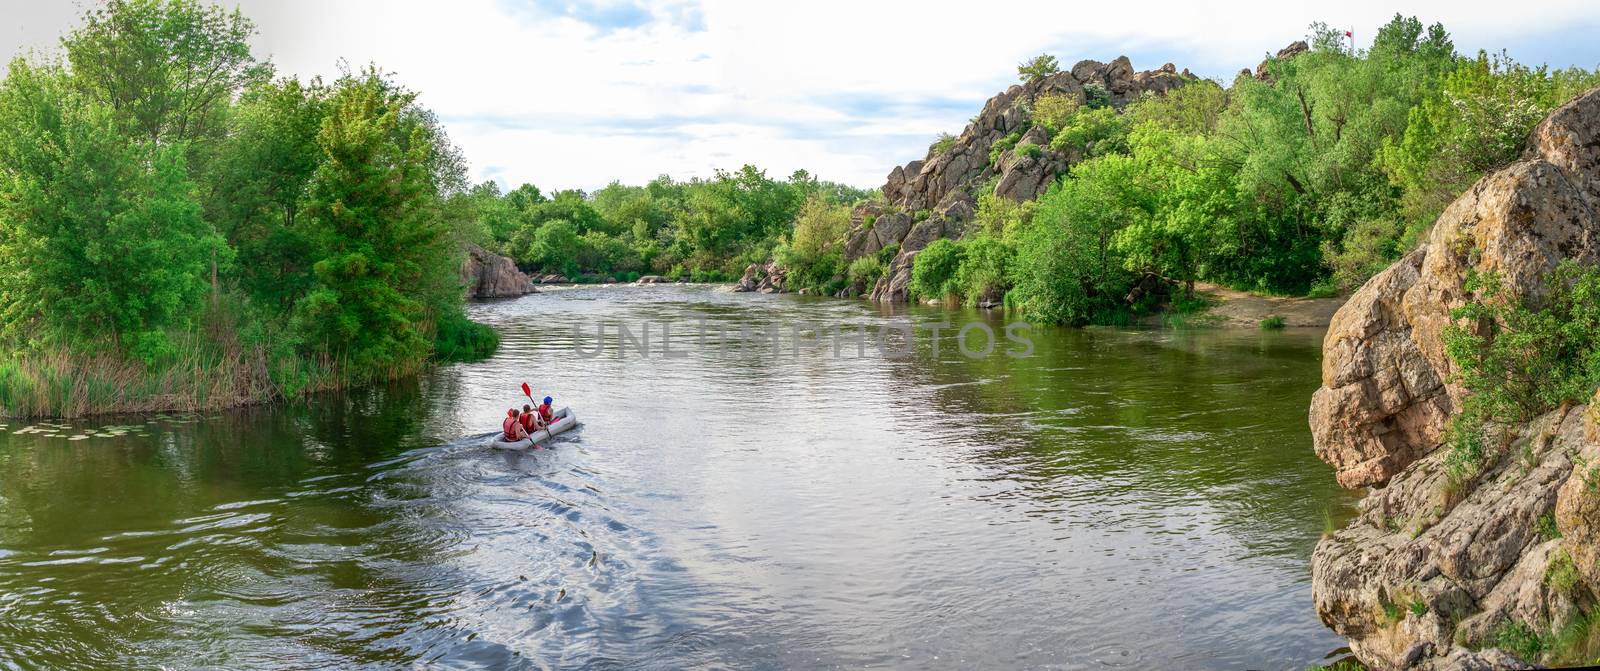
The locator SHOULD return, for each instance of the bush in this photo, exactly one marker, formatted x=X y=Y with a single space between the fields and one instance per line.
x=1053 y=110
x=1066 y=270
x=933 y=271
x=1002 y=145
x=1095 y=96
x=1272 y=323
x=943 y=144
x=1093 y=132
x=461 y=339
x=866 y=270
x=1518 y=360
x=985 y=270
x=1028 y=150
x=887 y=255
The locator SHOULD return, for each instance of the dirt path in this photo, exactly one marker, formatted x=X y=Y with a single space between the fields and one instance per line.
x=1238 y=308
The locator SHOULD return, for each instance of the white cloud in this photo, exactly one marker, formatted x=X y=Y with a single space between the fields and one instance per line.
x=535 y=90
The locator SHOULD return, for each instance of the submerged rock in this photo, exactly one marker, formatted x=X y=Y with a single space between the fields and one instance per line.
x=1433 y=570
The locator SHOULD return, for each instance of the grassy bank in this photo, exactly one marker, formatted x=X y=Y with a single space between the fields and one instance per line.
x=208 y=369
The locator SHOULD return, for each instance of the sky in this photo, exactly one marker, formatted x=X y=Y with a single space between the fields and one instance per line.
x=578 y=94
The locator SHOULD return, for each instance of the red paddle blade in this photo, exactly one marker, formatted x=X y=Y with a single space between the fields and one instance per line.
x=526 y=391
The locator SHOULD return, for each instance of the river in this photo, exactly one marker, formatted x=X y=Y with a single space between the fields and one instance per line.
x=1120 y=498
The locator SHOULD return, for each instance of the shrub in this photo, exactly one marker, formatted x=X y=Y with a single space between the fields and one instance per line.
x=933 y=272
x=1518 y=639
x=1561 y=576
x=1272 y=323
x=945 y=142
x=887 y=254
x=866 y=270
x=1002 y=145
x=1093 y=132
x=1517 y=360
x=985 y=269
x=1028 y=150
x=868 y=222
x=1053 y=110
x=1095 y=96
x=461 y=339
x=1067 y=271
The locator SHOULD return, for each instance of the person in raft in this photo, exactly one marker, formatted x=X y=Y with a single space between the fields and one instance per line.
x=530 y=420
x=512 y=429
x=547 y=413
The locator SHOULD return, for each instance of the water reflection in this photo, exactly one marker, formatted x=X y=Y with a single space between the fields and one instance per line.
x=1122 y=498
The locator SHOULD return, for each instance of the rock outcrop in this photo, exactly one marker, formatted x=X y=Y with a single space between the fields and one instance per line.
x=767 y=279
x=1433 y=568
x=1294 y=49
x=936 y=196
x=485 y=274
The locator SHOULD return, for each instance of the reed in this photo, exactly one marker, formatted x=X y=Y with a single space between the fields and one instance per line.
x=204 y=372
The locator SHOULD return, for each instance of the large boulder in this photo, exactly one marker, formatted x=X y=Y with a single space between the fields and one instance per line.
x=485 y=274
x=1435 y=566
x=1384 y=366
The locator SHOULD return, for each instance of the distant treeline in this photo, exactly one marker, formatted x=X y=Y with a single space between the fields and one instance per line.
x=701 y=230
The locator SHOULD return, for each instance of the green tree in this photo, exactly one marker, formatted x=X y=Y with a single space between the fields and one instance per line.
x=555 y=247
x=1037 y=67
x=381 y=244
x=260 y=181
x=1067 y=269
x=99 y=236
x=169 y=68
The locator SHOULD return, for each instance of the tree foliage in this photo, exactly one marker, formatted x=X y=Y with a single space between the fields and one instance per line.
x=1038 y=67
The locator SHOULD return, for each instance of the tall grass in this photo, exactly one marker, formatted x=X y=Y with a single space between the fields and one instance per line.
x=201 y=373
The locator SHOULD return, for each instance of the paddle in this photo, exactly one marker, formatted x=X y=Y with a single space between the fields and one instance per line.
x=528 y=391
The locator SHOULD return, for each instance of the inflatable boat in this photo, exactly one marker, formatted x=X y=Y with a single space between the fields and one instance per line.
x=564 y=420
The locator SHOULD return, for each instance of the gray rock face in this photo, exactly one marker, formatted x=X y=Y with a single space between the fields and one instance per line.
x=1380 y=405
x=1432 y=567
x=1464 y=568
x=485 y=274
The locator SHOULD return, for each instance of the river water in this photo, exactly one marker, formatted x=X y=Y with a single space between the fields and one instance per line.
x=1120 y=498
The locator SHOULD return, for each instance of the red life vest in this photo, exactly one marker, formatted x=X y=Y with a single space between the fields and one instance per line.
x=510 y=428
x=527 y=421
x=545 y=412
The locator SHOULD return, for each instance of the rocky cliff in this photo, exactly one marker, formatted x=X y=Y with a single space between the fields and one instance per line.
x=935 y=196
x=1430 y=575
x=485 y=274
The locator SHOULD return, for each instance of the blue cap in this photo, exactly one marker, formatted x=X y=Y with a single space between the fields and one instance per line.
x=547 y=400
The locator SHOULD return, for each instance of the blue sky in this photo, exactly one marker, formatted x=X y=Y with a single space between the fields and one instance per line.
x=576 y=94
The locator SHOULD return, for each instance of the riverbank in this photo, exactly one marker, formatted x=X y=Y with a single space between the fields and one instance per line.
x=208 y=369
x=1234 y=308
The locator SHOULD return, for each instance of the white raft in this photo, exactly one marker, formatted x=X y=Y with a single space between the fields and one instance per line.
x=565 y=419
